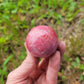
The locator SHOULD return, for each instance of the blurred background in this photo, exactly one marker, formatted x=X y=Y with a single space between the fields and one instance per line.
x=66 y=17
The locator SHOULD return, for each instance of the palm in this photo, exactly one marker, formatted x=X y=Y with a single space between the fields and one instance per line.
x=40 y=80
x=41 y=73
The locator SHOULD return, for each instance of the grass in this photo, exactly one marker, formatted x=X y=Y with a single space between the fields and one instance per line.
x=17 y=17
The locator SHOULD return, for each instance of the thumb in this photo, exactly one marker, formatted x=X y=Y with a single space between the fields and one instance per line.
x=27 y=66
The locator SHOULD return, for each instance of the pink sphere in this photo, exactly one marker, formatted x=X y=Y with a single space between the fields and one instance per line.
x=42 y=41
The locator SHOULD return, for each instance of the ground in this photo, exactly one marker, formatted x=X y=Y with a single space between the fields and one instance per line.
x=65 y=17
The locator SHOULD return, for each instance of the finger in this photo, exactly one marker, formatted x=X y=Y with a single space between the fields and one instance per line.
x=40 y=69
x=61 y=47
x=28 y=65
x=43 y=64
x=53 y=68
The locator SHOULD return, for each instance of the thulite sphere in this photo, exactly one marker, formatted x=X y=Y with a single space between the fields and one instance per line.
x=42 y=41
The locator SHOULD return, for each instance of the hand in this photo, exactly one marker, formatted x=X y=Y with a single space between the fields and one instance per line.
x=33 y=72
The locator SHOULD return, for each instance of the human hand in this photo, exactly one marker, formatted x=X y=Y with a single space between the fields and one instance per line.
x=33 y=72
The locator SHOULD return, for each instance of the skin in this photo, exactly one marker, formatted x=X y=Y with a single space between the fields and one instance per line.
x=32 y=71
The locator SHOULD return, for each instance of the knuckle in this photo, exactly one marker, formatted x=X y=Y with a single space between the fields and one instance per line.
x=10 y=75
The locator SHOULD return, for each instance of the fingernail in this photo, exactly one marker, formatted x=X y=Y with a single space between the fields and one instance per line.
x=62 y=43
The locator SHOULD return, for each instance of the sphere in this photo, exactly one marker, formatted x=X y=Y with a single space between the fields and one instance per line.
x=42 y=41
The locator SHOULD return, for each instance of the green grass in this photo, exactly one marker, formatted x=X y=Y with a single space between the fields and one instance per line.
x=3 y=71
x=14 y=28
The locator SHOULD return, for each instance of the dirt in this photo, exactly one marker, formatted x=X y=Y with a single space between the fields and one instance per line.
x=66 y=32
